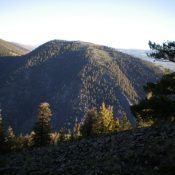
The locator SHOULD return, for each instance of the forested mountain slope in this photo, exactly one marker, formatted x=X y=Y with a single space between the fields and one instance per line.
x=72 y=77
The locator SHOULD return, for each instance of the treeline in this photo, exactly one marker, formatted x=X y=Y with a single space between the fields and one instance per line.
x=95 y=123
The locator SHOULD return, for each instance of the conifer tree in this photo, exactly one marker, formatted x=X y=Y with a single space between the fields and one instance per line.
x=100 y=123
x=42 y=128
x=88 y=126
x=159 y=104
x=28 y=140
x=9 y=140
x=164 y=51
x=105 y=120
x=54 y=138
x=76 y=131
x=124 y=124
x=115 y=125
x=20 y=143
x=63 y=135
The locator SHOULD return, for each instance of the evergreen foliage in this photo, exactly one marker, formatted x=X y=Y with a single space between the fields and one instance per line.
x=23 y=142
x=42 y=127
x=164 y=51
x=159 y=103
x=95 y=124
x=76 y=133
x=103 y=122
x=54 y=138
x=88 y=127
x=64 y=135
x=20 y=143
x=9 y=140
x=124 y=124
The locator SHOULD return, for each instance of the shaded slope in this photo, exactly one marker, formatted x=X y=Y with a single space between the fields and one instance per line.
x=72 y=77
x=143 y=151
x=11 y=49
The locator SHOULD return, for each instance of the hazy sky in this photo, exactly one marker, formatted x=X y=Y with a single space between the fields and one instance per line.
x=116 y=23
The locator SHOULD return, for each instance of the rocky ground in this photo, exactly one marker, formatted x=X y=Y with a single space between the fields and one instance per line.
x=145 y=151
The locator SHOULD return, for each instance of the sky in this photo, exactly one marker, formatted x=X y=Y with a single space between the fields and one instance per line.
x=128 y=24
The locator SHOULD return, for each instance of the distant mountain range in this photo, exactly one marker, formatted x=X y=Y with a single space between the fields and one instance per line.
x=12 y=49
x=28 y=47
x=139 y=53
x=72 y=76
x=142 y=54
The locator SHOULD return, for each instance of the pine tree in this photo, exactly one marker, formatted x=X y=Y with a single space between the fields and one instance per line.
x=164 y=51
x=76 y=131
x=2 y=135
x=20 y=143
x=159 y=104
x=54 y=138
x=115 y=125
x=42 y=127
x=63 y=135
x=88 y=126
x=124 y=124
x=9 y=140
x=100 y=123
x=28 y=140
x=105 y=120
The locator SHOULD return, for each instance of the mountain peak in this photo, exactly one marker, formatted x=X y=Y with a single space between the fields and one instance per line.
x=71 y=76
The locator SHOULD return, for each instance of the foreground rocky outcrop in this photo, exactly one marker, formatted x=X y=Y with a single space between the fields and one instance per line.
x=141 y=151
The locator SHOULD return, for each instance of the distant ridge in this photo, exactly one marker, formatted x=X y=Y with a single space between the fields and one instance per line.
x=25 y=46
x=11 y=49
x=142 y=54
